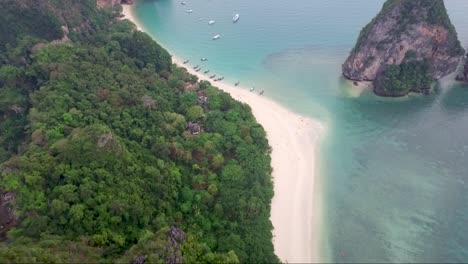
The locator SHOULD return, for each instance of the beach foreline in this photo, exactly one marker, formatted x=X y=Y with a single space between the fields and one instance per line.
x=294 y=140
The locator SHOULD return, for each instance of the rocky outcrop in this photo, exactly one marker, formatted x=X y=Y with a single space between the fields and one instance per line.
x=173 y=254
x=107 y=3
x=420 y=28
x=139 y=260
x=112 y=3
x=7 y=216
x=463 y=75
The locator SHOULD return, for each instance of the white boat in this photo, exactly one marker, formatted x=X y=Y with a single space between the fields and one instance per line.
x=189 y=10
x=216 y=37
x=235 y=18
x=211 y=22
x=183 y=3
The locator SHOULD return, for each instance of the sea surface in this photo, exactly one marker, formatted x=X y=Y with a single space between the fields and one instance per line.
x=394 y=172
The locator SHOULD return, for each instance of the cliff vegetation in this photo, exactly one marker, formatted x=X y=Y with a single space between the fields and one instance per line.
x=463 y=75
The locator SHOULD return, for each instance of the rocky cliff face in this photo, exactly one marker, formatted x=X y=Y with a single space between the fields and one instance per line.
x=421 y=28
x=112 y=3
x=107 y=3
x=463 y=76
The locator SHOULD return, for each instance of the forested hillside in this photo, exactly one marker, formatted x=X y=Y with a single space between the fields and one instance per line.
x=110 y=153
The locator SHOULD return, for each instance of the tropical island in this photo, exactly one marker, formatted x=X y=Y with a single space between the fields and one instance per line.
x=407 y=46
x=110 y=152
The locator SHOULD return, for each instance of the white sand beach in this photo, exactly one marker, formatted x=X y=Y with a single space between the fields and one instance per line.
x=294 y=140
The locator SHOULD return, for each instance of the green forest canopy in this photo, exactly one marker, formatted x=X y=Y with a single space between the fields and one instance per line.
x=410 y=75
x=94 y=146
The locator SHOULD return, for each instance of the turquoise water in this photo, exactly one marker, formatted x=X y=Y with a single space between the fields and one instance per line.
x=394 y=171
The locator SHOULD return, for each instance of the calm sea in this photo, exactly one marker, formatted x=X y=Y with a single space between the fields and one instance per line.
x=394 y=171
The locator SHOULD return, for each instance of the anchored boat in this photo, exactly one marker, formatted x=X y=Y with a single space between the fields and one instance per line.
x=235 y=18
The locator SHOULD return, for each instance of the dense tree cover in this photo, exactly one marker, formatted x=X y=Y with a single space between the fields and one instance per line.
x=95 y=147
x=436 y=11
x=411 y=75
x=36 y=22
x=44 y=18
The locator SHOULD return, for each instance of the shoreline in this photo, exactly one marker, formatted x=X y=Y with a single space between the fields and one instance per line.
x=294 y=140
x=357 y=88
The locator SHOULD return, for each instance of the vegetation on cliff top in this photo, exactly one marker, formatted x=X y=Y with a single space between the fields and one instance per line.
x=95 y=147
x=398 y=80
